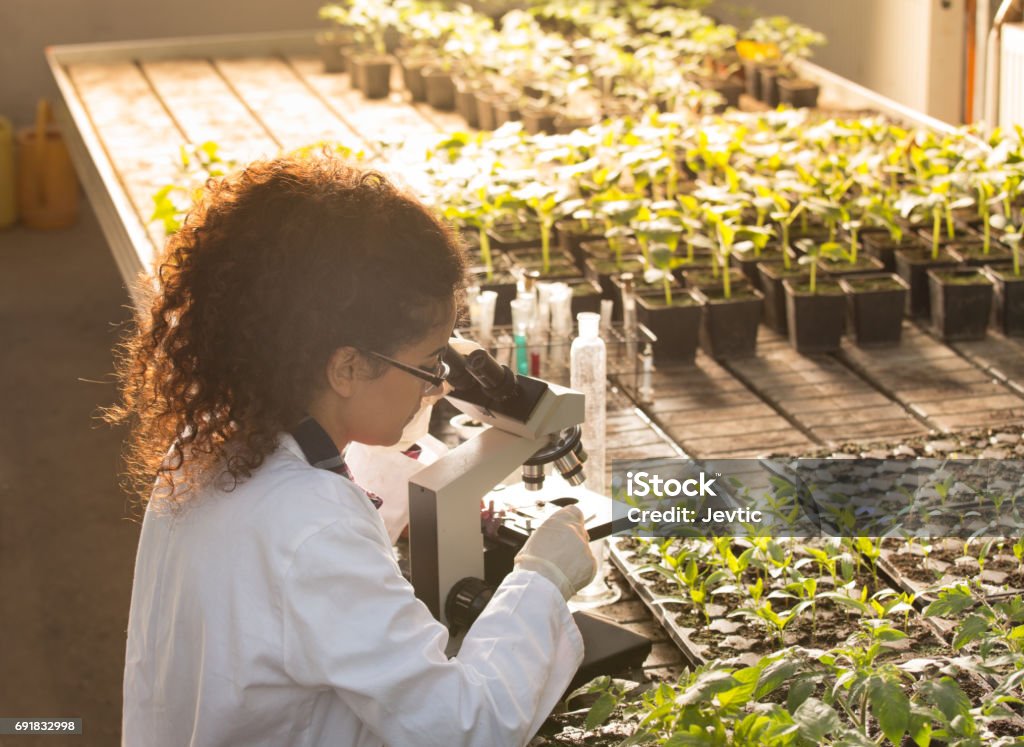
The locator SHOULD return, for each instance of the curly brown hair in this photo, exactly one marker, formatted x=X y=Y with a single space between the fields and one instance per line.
x=275 y=268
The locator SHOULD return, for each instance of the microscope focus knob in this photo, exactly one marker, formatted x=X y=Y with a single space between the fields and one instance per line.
x=466 y=601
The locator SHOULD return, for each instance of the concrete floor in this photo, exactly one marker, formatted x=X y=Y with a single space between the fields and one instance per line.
x=67 y=542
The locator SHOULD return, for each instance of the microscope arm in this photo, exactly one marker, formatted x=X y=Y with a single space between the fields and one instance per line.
x=445 y=543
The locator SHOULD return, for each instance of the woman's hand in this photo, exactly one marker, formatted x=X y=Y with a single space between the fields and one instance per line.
x=559 y=550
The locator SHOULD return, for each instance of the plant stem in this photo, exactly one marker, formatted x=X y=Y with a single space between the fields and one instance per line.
x=485 y=252
x=854 y=245
x=814 y=277
x=785 y=245
x=936 y=227
x=545 y=243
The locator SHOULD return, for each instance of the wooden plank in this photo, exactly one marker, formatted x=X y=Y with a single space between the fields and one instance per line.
x=946 y=391
x=711 y=415
x=293 y=114
x=139 y=137
x=790 y=440
x=703 y=407
x=729 y=427
x=789 y=381
x=206 y=108
x=382 y=124
x=1001 y=356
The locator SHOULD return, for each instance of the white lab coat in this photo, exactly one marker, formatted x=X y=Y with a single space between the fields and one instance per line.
x=275 y=614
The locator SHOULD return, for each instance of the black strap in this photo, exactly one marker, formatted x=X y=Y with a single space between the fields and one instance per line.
x=321 y=452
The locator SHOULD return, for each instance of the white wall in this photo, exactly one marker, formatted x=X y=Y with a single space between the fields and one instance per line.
x=27 y=26
x=909 y=50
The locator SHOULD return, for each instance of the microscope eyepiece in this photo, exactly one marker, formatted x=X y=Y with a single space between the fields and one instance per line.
x=458 y=375
x=498 y=381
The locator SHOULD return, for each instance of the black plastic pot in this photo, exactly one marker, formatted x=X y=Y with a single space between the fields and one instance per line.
x=728 y=327
x=465 y=104
x=769 y=85
x=601 y=271
x=484 y=110
x=374 y=76
x=440 y=89
x=538 y=120
x=874 y=308
x=972 y=254
x=748 y=261
x=676 y=326
x=599 y=248
x=586 y=296
x=728 y=88
x=816 y=320
x=505 y=111
x=913 y=265
x=1008 y=298
x=752 y=78
x=884 y=248
x=961 y=303
x=572 y=233
x=842 y=267
x=564 y=124
x=705 y=277
x=332 y=51
x=560 y=267
x=510 y=236
x=800 y=94
x=925 y=232
x=772 y=275
x=412 y=77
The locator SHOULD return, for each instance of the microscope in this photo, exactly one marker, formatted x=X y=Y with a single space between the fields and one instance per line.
x=457 y=560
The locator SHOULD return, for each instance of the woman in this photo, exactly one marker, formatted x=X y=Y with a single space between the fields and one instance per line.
x=305 y=305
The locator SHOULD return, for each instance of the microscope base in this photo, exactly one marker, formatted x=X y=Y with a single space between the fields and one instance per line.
x=608 y=648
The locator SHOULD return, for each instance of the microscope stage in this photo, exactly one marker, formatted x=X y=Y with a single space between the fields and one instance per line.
x=525 y=510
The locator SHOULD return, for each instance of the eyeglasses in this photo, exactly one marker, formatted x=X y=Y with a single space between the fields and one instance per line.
x=435 y=379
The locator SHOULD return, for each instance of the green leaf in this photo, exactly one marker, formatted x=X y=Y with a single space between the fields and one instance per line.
x=774 y=675
x=600 y=711
x=948 y=697
x=971 y=629
x=746 y=680
x=816 y=720
x=951 y=602
x=799 y=692
x=890 y=707
x=706 y=687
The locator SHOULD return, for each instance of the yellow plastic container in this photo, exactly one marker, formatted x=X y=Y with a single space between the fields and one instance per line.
x=47 y=186
x=8 y=213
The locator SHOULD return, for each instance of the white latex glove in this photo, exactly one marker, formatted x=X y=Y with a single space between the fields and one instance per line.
x=559 y=550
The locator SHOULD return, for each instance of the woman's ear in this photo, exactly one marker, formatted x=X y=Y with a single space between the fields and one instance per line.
x=342 y=370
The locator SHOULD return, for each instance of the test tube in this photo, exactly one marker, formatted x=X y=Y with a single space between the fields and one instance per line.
x=522 y=310
x=645 y=390
x=629 y=316
x=606 y=317
x=503 y=349
x=481 y=316
x=560 y=302
x=543 y=323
